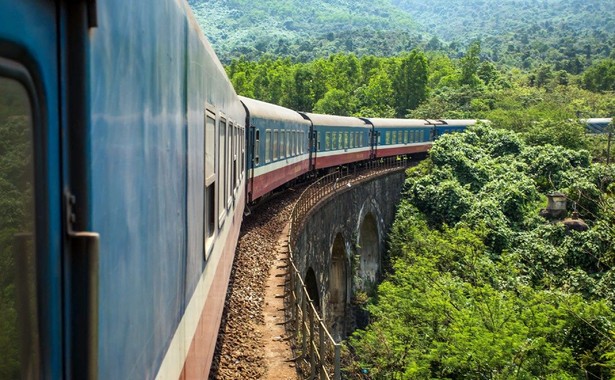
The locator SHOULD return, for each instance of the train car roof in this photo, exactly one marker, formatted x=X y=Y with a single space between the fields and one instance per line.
x=597 y=120
x=382 y=122
x=264 y=110
x=334 y=121
x=459 y=121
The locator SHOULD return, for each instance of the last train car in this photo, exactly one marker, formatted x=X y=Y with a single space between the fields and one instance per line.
x=597 y=125
x=122 y=190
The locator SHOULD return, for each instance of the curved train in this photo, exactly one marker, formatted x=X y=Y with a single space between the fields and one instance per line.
x=126 y=162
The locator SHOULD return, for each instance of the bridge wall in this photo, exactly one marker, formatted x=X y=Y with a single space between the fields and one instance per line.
x=338 y=243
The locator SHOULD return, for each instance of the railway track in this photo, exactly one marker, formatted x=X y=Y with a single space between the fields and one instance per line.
x=243 y=349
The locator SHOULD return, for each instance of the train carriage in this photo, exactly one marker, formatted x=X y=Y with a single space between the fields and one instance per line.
x=453 y=125
x=339 y=140
x=401 y=136
x=133 y=196
x=278 y=146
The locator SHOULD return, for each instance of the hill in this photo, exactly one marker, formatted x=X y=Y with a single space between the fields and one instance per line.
x=569 y=34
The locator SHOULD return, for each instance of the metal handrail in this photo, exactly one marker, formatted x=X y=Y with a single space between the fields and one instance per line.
x=322 y=351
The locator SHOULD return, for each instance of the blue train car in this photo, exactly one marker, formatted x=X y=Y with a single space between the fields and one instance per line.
x=116 y=249
x=338 y=140
x=401 y=136
x=452 y=125
x=277 y=148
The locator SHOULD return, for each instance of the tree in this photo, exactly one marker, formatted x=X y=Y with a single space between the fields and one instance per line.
x=600 y=76
x=470 y=64
x=410 y=82
x=335 y=102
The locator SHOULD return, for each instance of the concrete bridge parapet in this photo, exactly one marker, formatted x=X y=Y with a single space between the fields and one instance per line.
x=339 y=247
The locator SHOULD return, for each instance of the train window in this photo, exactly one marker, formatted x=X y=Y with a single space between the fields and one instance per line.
x=235 y=154
x=257 y=146
x=400 y=136
x=289 y=143
x=229 y=162
x=275 y=144
x=18 y=301
x=341 y=141
x=221 y=169
x=345 y=140
x=282 y=143
x=268 y=144
x=210 y=186
x=327 y=140
x=405 y=137
x=297 y=142
x=333 y=140
x=302 y=142
x=394 y=137
x=387 y=137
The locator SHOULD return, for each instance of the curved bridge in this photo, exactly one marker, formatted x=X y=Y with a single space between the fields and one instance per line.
x=337 y=239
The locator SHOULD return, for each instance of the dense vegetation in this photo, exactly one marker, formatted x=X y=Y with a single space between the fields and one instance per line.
x=482 y=287
x=566 y=34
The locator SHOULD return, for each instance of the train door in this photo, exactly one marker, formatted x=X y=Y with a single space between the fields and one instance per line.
x=31 y=332
x=374 y=136
x=313 y=147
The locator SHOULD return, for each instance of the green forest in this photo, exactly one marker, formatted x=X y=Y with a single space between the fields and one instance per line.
x=482 y=285
x=567 y=34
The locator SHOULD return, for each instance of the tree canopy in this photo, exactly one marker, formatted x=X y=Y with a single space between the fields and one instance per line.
x=481 y=285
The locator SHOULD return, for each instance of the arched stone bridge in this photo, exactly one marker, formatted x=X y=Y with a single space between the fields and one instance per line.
x=340 y=244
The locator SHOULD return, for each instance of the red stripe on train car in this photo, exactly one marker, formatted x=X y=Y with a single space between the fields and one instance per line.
x=340 y=159
x=269 y=181
x=386 y=152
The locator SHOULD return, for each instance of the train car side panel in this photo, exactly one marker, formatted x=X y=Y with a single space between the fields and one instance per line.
x=138 y=174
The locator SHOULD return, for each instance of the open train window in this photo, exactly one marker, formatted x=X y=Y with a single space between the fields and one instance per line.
x=19 y=116
x=210 y=181
x=222 y=167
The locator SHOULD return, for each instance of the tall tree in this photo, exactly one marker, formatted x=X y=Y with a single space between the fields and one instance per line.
x=410 y=82
x=470 y=64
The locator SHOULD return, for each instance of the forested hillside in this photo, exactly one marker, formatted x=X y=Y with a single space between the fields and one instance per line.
x=483 y=286
x=568 y=34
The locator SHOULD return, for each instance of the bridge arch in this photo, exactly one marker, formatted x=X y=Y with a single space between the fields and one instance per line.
x=312 y=287
x=368 y=252
x=338 y=286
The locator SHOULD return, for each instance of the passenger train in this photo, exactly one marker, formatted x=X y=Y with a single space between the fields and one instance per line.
x=126 y=164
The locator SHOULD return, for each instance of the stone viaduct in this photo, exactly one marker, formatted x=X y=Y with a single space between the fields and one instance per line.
x=340 y=246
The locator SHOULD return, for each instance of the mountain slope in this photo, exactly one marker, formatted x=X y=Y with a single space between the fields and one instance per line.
x=568 y=34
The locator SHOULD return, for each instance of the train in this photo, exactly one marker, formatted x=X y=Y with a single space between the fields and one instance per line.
x=127 y=164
